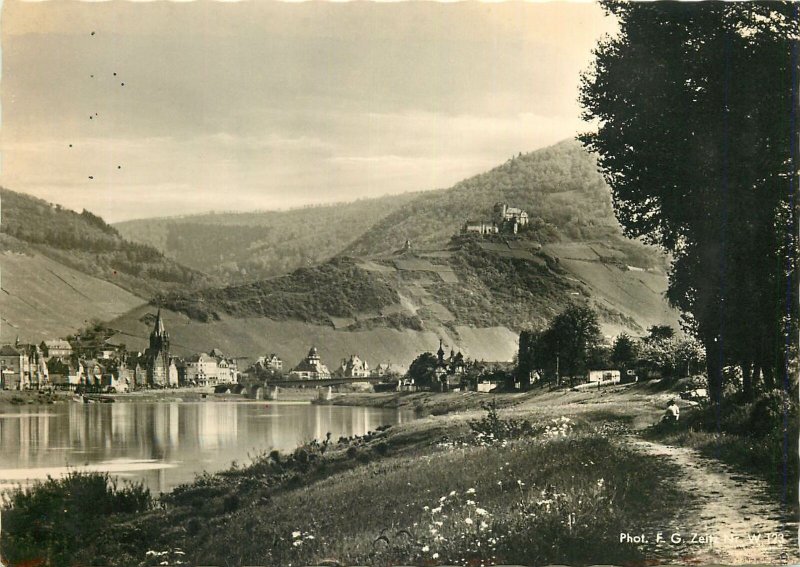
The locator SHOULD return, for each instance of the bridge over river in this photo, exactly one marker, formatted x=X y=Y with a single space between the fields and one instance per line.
x=269 y=390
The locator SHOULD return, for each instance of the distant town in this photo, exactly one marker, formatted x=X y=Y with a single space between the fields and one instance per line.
x=56 y=364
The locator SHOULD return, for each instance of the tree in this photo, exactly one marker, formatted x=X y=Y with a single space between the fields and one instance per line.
x=624 y=351
x=422 y=370
x=570 y=341
x=696 y=138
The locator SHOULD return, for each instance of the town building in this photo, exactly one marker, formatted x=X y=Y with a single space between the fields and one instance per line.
x=64 y=373
x=450 y=370
x=13 y=368
x=354 y=367
x=201 y=370
x=310 y=368
x=389 y=369
x=56 y=348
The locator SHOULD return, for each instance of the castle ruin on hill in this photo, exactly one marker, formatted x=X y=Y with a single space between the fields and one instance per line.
x=505 y=220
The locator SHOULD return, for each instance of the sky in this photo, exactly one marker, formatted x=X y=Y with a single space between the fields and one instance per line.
x=148 y=109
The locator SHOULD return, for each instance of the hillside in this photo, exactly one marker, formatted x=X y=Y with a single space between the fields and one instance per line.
x=41 y=298
x=247 y=246
x=382 y=299
x=87 y=244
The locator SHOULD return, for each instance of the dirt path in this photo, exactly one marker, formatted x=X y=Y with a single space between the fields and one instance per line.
x=745 y=522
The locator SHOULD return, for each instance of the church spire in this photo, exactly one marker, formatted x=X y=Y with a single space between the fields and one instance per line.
x=158 y=328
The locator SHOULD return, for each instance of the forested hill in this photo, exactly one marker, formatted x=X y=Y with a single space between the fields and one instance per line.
x=248 y=246
x=86 y=243
x=558 y=186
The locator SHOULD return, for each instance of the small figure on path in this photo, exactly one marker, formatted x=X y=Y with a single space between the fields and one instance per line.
x=673 y=412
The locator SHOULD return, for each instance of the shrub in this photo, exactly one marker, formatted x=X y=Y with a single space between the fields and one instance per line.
x=52 y=520
x=491 y=428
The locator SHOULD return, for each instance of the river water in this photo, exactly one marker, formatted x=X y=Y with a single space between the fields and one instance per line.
x=164 y=444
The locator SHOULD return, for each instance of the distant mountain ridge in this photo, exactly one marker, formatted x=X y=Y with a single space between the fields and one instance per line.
x=559 y=187
x=241 y=247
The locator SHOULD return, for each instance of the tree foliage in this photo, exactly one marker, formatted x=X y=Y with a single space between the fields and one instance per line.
x=422 y=370
x=696 y=138
x=569 y=346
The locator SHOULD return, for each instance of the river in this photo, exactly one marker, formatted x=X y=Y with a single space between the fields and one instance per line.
x=164 y=444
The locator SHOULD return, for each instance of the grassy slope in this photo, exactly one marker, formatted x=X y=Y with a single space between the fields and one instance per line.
x=546 y=500
x=43 y=299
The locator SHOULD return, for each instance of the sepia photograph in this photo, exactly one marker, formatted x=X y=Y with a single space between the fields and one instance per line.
x=399 y=283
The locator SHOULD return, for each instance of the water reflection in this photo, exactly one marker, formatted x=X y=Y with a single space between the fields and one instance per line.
x=165 y=444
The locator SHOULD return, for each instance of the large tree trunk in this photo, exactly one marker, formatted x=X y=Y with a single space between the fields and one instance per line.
x=747 y=383
x=714 y=370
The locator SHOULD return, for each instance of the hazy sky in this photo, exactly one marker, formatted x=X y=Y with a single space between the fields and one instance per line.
x=261 y=105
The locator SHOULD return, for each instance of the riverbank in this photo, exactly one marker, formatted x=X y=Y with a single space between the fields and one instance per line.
x=14 y=398
x=553 y=477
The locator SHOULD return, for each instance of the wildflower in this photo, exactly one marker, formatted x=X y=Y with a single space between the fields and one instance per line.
x=468 y=521
x=484 y=525
x=443 y=498
x=426 y=548
x=309 y=536
x=519 y=482
x=426 y=508
x=298 y=543
x=436 y=510
x=440 y=524
x=470 y=503
x=453 y=493
x=296 y=534
x=435 y=556
x=481 y=512
x=470 y=491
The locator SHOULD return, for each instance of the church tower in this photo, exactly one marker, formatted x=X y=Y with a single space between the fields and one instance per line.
x=158 y=354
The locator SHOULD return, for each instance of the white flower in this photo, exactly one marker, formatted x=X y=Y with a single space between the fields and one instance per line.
x=440 y=524
x=436 y=510
x=470 y=491
x=298 y=543
x=470 y=503
x=309 y=536
x=453 y=493
x=481 y=512
x=484 y=525
x=296 y=534
x=443 y=498
x=519 y=482
x=426 y=548
x=468 y=521
x=435 y=556
x=426 y=508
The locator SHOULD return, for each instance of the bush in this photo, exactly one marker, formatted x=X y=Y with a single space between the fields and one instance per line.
x=492 y=428
x=55 y=518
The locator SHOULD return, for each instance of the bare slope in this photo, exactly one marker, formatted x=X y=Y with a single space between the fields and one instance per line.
x=252 y=337
x=42 y=299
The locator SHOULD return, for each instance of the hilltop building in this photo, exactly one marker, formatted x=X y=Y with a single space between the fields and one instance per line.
x=510 y=219
x=310 y=368
x=505 y=219
x=480 y=227
x=157 y=355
